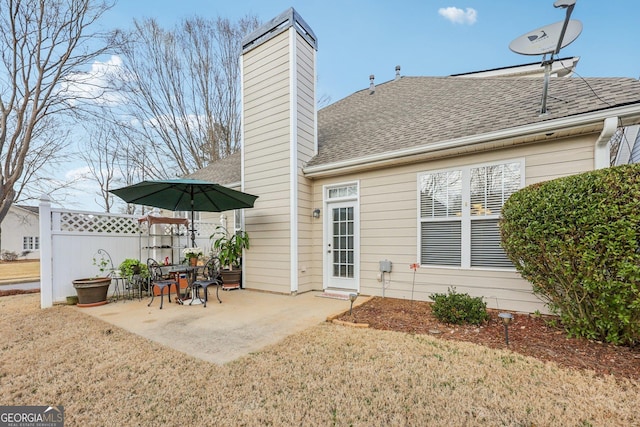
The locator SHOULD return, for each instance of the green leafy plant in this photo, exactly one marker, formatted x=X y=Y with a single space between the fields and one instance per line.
x=456 y=308
x=131 y=266
x=577 y=240
x=229 y=247
x=103 y=261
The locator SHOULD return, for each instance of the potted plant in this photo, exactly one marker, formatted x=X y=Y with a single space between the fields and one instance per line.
x=229 y=248
x=191 y=255
x=92 y=291
x=130 y=267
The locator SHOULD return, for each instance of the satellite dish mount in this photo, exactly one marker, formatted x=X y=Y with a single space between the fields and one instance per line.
x=549 y=40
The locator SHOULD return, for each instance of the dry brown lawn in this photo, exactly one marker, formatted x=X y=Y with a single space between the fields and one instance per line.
x=327 y=375
x=23 y=269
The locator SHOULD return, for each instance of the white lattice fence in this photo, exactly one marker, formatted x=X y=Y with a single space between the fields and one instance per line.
x=87 y=222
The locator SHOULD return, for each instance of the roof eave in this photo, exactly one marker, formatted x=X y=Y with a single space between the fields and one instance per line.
x=628 y=114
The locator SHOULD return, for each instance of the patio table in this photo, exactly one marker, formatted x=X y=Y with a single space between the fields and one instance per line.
x=190 y=272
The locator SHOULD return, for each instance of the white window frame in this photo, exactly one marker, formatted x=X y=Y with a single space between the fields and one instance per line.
x=30 y=243
x=466 y=218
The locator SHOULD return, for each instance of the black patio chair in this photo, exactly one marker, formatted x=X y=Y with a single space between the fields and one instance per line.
x=157 y=280
x=210 y=276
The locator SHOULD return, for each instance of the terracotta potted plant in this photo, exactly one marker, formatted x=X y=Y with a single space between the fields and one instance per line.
x=92 y=291
x=191 y=255
x=229 y=248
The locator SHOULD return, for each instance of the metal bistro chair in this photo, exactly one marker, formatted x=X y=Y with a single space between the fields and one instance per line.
x=158 y=281
x=211 y=276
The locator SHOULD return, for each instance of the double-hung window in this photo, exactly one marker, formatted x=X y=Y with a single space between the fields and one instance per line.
x=459 y=212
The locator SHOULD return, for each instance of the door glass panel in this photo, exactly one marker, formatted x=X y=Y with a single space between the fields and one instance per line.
x=343 y=242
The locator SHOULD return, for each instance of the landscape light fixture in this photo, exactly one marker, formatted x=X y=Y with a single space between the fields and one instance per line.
x=352 y=298
x=507 y=318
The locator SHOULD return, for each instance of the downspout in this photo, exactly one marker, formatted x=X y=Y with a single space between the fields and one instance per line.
x=601 y=154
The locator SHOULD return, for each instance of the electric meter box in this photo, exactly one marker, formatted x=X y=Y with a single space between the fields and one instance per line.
x=385 y=266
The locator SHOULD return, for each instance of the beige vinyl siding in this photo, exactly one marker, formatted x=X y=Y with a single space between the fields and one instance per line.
x=389 y=225
x=305 y=87
x=550 y=164
x=266 y=164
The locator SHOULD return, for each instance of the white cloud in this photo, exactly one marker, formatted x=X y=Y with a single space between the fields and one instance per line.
x=79 y=173
x=459 y=16
x=94 y=83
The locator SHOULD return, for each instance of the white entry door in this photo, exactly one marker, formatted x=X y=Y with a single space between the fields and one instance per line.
x=342 y=251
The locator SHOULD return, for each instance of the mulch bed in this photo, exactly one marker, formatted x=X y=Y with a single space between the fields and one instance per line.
x=530 y=335
x=18 y=292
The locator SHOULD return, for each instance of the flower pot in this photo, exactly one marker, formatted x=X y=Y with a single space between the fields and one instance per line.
x=193 y=261
x=231 y=279
x=92 y=292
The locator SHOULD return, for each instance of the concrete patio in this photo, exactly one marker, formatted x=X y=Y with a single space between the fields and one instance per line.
x=244 y=322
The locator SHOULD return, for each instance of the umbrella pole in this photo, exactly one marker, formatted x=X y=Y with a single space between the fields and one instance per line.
x=193 y=231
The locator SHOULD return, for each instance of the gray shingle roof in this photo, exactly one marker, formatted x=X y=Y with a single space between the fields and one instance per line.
x=225 y=171
x=415 y=111
x=418 y=111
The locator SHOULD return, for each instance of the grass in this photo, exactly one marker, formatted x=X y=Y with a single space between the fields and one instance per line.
x=326 y=375
x=19 y=270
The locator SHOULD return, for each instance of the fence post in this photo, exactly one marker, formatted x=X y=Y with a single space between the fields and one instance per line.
x=46 y=256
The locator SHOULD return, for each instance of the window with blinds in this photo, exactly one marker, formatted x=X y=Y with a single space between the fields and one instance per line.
x=440 y=208
x=459 y=214
x=490 y=187
x=441 y=243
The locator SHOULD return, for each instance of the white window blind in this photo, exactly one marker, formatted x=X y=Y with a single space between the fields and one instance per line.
x=485 y=245
x=441 y=243
x=441 y=195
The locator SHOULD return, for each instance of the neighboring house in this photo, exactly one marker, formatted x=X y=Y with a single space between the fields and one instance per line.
x=20 y=231
x=413 y=170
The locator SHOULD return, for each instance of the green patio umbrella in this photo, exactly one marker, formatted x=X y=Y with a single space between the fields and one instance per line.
x=185 y=195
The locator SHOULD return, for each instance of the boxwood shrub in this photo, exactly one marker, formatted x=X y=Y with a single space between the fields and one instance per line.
x=458 y=308
x=577 y=240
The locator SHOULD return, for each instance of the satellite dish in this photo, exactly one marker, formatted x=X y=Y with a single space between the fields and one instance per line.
x=545 y=39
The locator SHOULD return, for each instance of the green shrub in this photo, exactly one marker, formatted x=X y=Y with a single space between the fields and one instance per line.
x=577 y=240
x=459 y=308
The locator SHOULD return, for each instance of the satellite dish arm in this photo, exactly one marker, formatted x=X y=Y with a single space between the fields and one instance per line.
x=569 y=5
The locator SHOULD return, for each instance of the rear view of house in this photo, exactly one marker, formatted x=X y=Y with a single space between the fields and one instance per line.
x=411 y=170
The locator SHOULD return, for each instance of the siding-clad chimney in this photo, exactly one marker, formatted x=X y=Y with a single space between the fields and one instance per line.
x=278 y=137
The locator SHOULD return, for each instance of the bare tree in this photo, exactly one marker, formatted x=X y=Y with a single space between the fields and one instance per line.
x=183 y=92
x=44 y=46
x=111 y=160
x=101 y=155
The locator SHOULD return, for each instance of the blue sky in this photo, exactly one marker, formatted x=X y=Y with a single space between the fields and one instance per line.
x=357 y=38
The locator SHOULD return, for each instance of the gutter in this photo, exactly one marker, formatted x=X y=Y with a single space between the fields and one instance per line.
x=631 y=113
x=601 y=156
